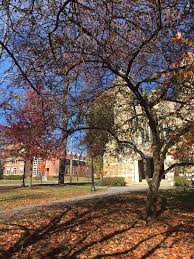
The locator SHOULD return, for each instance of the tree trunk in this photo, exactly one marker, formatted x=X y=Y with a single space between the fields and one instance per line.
x=24 y=175
x=156 y=204
x=62 y=166
x=30 y=183
x=61 y=171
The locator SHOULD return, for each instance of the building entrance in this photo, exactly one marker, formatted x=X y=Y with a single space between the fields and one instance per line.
x=150 y=169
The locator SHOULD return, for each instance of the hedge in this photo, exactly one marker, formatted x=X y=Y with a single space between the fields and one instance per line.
x=182 y=181
x=112 y=181
x=11 y=177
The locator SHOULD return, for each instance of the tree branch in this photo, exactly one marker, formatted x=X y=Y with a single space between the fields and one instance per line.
x=19 y=67
x=177 y=165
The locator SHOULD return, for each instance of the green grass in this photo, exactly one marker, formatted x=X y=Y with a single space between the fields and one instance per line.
x=74 y=179
x=77 y=179
x=19 y=197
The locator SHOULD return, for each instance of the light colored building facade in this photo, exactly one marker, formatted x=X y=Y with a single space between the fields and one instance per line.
x=125 y=162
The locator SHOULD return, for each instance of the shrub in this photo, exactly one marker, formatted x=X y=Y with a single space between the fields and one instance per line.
x=12 y=177
x=182 y=181
x=52 y=178
x=112 y=181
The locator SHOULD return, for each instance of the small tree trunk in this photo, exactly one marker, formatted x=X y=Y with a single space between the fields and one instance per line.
x=30 y=183
x=62 y=165
x=61 y=171
x=24 y=175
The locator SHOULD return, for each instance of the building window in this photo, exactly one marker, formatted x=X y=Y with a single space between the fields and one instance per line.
x=14 y=170
x=35 y=167
x=8 y=171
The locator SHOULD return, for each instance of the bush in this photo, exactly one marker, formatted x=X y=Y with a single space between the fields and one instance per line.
x=12 y=177
x=52 y=178
x=112 y=181
x=182 y=181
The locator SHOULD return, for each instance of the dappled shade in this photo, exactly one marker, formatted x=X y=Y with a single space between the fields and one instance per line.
x=101 y=228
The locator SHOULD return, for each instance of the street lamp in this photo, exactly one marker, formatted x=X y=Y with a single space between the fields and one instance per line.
x=93 y=188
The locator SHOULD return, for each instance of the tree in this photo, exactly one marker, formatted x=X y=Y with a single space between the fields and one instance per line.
x=29 y=130
x=100 y=116
x=99 y=119
x=90 y=43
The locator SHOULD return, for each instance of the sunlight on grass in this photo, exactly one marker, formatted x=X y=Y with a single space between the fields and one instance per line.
x=17 y=197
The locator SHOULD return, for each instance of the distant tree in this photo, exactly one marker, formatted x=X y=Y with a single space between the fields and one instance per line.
x=99 y=118
x=30 y=130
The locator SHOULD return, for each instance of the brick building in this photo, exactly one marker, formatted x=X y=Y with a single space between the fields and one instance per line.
x=13 y=164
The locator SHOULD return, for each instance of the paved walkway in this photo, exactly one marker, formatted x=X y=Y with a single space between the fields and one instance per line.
x=111 y=191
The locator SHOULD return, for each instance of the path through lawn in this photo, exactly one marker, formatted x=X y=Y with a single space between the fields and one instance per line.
x=109 y=227
x=19 y=197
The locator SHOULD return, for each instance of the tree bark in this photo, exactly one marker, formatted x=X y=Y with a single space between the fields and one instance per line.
x=30 y=183
x=62 y=166
x=62 y=163
x=156 y=203
x=61 y=171
x=24 y=175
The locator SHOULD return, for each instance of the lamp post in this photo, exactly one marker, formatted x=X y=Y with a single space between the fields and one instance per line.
x=70 y=166
x=93 y=188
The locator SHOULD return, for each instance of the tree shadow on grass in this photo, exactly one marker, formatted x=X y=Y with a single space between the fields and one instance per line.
x=181 y=199
x=166 y=234
x=68 y=231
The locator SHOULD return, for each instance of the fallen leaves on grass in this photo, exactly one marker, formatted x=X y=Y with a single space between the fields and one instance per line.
x=20 y=197
x=104 y=228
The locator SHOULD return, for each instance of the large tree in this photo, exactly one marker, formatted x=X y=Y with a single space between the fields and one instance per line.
x=86 y=44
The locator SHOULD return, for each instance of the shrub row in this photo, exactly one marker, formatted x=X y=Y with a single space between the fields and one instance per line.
x=11 y=177
x=112 y=181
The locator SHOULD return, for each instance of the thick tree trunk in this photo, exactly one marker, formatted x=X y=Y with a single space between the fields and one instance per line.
x=156 y=204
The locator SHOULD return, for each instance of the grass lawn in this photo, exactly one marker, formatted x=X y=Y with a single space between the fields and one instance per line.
x=110 y=227
x=18 y=197
x=74 y=179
